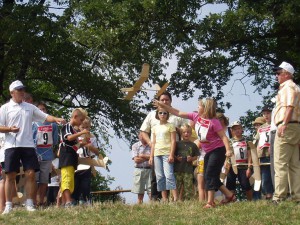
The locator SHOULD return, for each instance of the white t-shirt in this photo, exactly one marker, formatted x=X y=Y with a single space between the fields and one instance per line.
x=2 y=150
x=20 y=115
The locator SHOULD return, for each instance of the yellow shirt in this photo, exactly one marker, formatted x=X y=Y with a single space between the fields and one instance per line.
x=162 y=134
x=288 y=95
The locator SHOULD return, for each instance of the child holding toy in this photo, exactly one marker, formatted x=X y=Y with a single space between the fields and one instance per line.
x=68 y=159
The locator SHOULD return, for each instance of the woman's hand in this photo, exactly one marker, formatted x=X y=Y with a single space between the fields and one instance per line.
x=155 y=103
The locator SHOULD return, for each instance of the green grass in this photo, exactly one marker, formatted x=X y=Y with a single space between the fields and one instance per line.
x=190 y=212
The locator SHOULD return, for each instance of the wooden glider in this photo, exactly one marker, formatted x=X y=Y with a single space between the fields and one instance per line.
x=138 y=84
x=256 y=167
x=233 y=164
x=160 y=90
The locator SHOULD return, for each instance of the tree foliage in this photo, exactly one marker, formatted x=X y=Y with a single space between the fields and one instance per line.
x=83 y=52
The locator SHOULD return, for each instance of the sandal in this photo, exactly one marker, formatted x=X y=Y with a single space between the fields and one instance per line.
x=209 y=205
x=228 y=200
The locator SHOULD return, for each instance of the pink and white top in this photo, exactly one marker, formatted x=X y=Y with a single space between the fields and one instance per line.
x=206 y=130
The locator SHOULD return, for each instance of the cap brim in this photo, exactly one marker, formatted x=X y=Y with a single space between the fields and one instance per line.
x=19 y=87
x=277 y=68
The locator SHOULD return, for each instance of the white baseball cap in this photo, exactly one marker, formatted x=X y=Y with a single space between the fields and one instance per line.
x=16 y=85
x=235 y=123
x=286 y=66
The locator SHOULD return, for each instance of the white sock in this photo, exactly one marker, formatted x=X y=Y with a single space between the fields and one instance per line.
x=29 y=202
x=8 y=204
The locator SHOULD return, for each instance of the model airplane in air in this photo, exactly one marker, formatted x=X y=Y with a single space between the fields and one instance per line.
x=138 y=85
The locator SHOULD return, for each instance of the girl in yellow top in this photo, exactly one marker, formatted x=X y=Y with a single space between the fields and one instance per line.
x=162 y=154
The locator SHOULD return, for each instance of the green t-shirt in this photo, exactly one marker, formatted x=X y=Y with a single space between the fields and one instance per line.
x=184 y=149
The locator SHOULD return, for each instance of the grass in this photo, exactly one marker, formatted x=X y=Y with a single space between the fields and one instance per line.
x=190 y=212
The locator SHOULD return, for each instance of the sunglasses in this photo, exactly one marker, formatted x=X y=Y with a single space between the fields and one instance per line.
x=162 y=113
x=278 y=73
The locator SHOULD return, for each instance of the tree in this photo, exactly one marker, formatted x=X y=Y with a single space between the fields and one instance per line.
x=83 y=56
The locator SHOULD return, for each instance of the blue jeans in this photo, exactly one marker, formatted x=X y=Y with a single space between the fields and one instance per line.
x=164 y=173
x=266 y=179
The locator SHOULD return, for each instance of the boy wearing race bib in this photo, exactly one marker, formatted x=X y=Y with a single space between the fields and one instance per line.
x=242 y=154
x=83 y=175
x=263 y=151
x=45 y=136
x=68 y=158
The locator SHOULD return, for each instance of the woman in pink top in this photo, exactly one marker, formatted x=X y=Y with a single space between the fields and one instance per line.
x=213 y=141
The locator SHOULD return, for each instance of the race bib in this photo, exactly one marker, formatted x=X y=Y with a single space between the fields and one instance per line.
x=201 y=128
x=264 y=137
x=44 y=136
x=240 y=151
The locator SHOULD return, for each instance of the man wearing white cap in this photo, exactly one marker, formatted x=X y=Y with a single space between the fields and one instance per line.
x=286 y=146
x=16 y=119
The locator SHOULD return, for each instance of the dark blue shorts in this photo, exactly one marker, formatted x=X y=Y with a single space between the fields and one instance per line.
x=13 y=157
x=244 y=181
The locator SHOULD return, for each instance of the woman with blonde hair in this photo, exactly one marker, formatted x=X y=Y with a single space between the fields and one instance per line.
x=213 y=141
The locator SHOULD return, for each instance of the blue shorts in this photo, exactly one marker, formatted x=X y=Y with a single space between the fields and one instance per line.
x=27 y=156
x=244 y=181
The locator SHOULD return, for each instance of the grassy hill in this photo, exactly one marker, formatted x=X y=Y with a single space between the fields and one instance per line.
x=190 y=212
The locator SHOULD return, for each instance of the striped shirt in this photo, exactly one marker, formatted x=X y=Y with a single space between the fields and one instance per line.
x=288 y=95
x=137 y=149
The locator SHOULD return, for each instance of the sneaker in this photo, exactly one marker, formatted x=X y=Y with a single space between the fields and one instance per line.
x=276 y=202
x=69 y=205
x=7 y=210
x=30 y=208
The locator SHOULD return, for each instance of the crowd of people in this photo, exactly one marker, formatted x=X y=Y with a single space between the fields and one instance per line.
x=28 y=137
x=177 y=149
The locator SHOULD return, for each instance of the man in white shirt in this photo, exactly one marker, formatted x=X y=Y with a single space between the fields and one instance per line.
x=16 y=119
